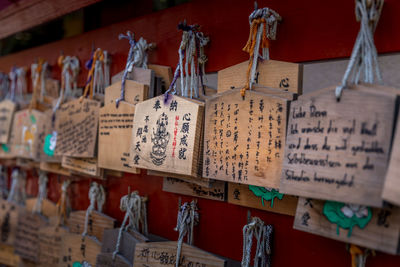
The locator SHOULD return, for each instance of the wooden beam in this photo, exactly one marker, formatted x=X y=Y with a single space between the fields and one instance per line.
x=26 y=14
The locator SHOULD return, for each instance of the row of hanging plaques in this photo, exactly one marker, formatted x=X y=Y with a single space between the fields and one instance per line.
x=271 y=138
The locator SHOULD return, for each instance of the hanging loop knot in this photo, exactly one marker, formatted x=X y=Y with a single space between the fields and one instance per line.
x=17 y=192
x=364 y=57
x=263 y=234
x=91 y=66
x=134 y=207
x=96 y=196
x=137 y=57
x=38 y=72
x=188 y=217
x=42 y=192
x=263 y=25
x=191 y=53
x=62 y=204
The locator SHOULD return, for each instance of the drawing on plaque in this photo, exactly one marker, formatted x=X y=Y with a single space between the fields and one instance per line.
x=347 y=216
x=266 y=194
x=160 y=140
x=50 y=144
x=28 y=135
x=83 y=264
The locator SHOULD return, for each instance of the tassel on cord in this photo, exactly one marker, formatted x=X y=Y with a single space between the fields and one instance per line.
x=191 y=53
x=135 y=210
x=263 y=234
x=188 y=217
x=42 y=192
x=364 y=57
x=62 y=204
x=263 y=26
x=17 y=192
x=96 y=196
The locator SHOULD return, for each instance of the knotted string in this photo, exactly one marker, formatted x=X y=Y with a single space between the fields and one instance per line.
x=4 y=85
x=91 y=65
x=188 y=217
x=3 y=182
x=38 y=71
x=358 y=257
x=96 y=196
x=133 y=205
x=42 y=192
x=18 y=84
x=364 y=57
x=191 y=51
x=101 y=76
x=137 y=57
x=62 y=204
x=17 y=192
x=263 y=234
x=263 y=25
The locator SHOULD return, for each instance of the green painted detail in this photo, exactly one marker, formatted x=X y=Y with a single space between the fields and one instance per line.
x=266 y=194
x=33 y=119
x=50 y=144
x=333 y=212
x=77 y=264
x=5 y=147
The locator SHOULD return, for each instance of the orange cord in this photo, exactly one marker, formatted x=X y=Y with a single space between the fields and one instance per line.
x=98 y=55
x=36 y=89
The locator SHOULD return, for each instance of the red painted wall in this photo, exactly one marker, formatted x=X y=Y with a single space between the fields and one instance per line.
x=311 y=30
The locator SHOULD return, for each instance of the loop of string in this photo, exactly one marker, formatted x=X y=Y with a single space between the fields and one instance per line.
x=101 y=76
x=91 y=65
x=137 y=57
x=62 y=204
x=364 y=57
x=135 y=210
x=38 y=72
x=69 y=78
x=18 y=84
x=359 y=257
x=17 y=192
x=191 y=52
x=3 y=182
x=42 y=192
x=96 y=196
x=188 y=217
x=263 y=234
x=263 y=26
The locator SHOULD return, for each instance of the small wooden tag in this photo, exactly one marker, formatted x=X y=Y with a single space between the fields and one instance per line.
x=78 y=251
x=148 y=254
x=166 y=136
x=277 y=74
x=8 y=221
x=98 y=222
x=143 y=76
x=216 y=191
x=240 y=194
x=49 y=209
x=115 y=133
x=381 y=233
x=88 y=166
x=8 y=257
x=7 y=109
x=54 y=168
x=76 y=126
x=50 y=245
x=135 y=92
x=339 y=150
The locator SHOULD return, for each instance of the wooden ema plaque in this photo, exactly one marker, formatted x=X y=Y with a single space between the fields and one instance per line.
x=380 y=233
x=158 y=254
x=49 y=209
x=27 y=237
x=391 y=187
x=8 y=256
x=79 y=252
x=125 y=257
x=115 y=133
x=54 y=168
x=166 y=137
x=135 y=92
x=7 y=109
x=8 y=222
x=98 y=222
x=76 y=126
x=164 y=72
x=48 y=139
x=276 y=74
x=203 y=182
x=216 y=191
x=27 y=127
x=244 y=138
x=88 y=166
x=50 y=245
x=143 y=76
x=339 y=150
x=262 y=199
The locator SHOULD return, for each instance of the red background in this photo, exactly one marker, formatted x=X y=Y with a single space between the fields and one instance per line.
x=311 y=30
